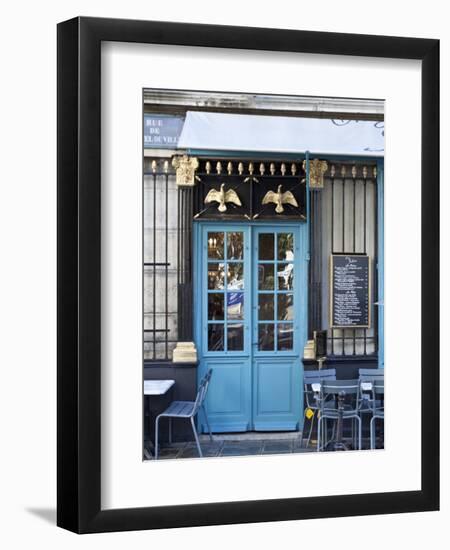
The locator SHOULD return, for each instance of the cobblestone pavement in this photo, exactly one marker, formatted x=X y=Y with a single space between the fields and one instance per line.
x=232 y=447
x=236 y=447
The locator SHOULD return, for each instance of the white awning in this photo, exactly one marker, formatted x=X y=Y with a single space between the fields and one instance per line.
x=278 y=134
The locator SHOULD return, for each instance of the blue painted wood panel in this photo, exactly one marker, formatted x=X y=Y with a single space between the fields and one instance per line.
x=229 y=398
x=277 y=373
x=380 y=267
x=257 y=375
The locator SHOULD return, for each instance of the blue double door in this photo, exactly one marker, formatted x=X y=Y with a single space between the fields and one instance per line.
x=251 y=323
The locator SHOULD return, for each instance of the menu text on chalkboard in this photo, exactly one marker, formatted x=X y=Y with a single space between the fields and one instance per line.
x=350 y=291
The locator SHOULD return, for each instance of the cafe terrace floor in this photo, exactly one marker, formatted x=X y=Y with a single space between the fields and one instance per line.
x=251 y=443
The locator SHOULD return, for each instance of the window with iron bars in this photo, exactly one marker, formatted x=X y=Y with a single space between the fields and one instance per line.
x=347 y=208
x=160 y=259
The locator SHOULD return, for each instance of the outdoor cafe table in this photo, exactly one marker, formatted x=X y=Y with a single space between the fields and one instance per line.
x=155 y=387
x=365 y=386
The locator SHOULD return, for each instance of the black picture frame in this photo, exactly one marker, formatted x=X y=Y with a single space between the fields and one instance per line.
x=79 y=280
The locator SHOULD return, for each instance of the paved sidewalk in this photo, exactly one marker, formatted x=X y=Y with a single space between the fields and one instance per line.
x=233 y=446
x=246 y=444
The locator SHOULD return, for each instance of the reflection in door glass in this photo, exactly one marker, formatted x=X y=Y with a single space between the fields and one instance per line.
x=216 y=276
x=215 y=245
x=285 y=336
x=215 y=306
x=286 y=247
x=235 y=337
x=265 y=337
x=265 y=277
x=273 y=276
x=285 y=307
x=265 y=307
x=266 y=246
x=285 y=276
x=235 y=276
x=215 y=337
x=235 y=305
x=235 y=245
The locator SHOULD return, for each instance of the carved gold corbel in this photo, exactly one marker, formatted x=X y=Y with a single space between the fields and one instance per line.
x=317 y=169
x=185 y=168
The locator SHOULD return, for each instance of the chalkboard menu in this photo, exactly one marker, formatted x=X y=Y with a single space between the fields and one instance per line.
x=350 y=291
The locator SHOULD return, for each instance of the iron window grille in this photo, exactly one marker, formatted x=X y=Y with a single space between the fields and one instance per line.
x=343 y=219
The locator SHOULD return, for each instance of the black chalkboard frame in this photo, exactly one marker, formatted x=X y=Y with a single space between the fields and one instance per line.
x=331 y=291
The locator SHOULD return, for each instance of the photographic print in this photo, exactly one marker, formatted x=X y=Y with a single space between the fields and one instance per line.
x=263 y=274
x=226 y=248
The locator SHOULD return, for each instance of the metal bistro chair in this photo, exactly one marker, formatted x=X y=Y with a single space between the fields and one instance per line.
x=378 y=408
x=311 y=398
x=330 y=390
x=366 y=404
x=188 y=410
x=368 y=375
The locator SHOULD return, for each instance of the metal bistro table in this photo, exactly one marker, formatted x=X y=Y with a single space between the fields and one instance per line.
x=155 y=387
x=365 y=387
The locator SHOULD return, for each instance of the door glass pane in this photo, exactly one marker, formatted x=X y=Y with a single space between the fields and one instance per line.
x=235 y=337
x=215 y=337
x=235 y=245
x=215 y=245
x=215 y=306
x=216 y=276
x=235 y=305
x=265 y=307
x=286 y=247
x=265 y=276
x=235 y=279
x=265 y=337
x=285 y=276
x=285 y=336
x=285 y=307
x=274 y=278
x=266 y=246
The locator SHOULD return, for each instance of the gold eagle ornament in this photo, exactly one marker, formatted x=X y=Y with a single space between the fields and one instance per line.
x=279 y=199
x=222 y=197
